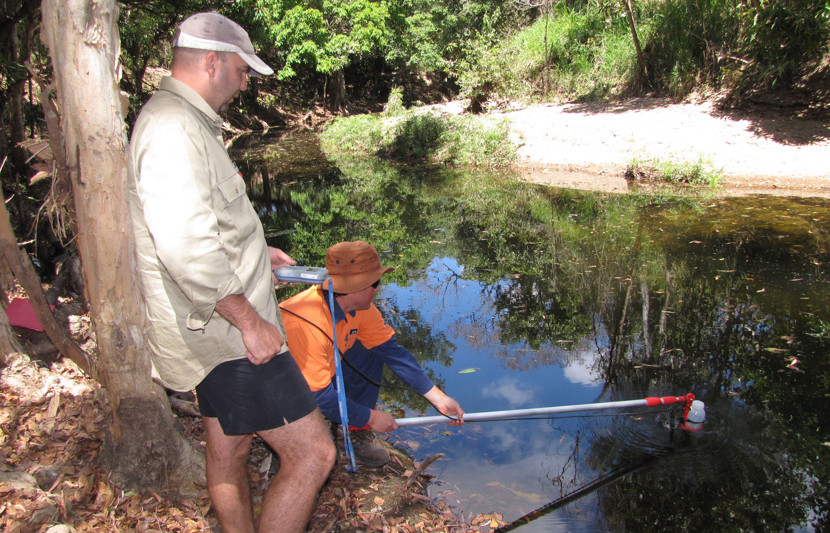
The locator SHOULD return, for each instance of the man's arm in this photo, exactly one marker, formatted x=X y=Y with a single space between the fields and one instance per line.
x=404 y=364
x=262 y=339
x=359 y=415
x=445 y=405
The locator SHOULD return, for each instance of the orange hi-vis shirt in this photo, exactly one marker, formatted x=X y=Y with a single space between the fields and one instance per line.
x=309 y=337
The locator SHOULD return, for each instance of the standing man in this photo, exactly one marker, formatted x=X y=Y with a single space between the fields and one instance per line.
x=366 y=343
x=206 y=279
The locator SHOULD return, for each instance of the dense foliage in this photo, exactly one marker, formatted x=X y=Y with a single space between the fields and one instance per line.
x=586 y=49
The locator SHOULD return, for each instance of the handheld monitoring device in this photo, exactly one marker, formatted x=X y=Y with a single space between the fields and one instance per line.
x=301 y=274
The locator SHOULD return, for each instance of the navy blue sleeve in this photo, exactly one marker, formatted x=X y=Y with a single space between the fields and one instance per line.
x=327 y=401
x=404 y=365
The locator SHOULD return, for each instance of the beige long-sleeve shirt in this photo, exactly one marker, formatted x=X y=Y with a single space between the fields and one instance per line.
x=198 y=238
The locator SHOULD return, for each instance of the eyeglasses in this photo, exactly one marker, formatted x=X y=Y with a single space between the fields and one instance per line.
x=376 y=284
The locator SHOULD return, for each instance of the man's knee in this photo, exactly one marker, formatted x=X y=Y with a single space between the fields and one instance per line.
x=225 y=449
x=327 y=454
x=320 y=450
x=306 y=443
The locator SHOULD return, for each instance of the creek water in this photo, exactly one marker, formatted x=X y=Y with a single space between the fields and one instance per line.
x=514 y=295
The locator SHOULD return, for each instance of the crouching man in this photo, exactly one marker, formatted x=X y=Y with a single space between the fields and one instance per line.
x=365 y=342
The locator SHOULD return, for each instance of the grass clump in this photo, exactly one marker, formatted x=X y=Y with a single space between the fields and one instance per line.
x=475 y=142
x=699 y=172
x=418 y=136
x=355 y=135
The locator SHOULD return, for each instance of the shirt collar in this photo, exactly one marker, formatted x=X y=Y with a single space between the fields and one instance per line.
x=171 y=84
x=339 y=314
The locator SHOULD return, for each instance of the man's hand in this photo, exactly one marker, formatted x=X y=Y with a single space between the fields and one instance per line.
x=445 y=405
x=262 y=339
x=279 y=258
x=381 y=422
x=263 y=342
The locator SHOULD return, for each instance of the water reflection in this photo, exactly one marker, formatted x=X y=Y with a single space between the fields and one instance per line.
x=557 y=297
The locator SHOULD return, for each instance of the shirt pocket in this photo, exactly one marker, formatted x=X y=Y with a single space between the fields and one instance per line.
x=232 y=187
x=238 y=223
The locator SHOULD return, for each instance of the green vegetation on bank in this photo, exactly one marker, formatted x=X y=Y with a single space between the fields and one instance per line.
x=699 y=172
x=404 y=135
x=588 y=50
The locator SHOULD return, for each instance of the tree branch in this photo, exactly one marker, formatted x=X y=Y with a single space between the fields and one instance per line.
x=23 y=270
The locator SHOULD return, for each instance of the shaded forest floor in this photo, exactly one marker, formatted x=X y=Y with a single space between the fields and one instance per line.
x=53 y=424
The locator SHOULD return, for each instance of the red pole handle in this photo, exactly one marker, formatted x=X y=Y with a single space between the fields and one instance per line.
x=668 y=400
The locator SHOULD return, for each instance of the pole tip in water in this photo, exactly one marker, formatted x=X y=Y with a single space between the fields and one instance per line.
x=695 y=416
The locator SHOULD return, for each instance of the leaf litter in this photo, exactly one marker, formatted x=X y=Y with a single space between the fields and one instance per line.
x=53 y=420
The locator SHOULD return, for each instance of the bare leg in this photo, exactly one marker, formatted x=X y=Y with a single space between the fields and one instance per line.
x=307 y=456
x=227 y=477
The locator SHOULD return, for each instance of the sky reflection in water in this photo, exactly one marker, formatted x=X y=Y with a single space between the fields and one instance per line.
x=504 y=466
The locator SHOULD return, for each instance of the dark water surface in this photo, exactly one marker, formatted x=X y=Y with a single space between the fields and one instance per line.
x=515 y=295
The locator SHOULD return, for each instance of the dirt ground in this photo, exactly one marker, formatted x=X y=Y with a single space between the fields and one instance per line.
x=760 y=149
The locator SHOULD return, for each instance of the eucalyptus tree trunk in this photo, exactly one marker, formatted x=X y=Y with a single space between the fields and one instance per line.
x=146 y=451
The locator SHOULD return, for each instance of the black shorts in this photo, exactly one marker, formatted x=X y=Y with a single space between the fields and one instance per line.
x=247 y=398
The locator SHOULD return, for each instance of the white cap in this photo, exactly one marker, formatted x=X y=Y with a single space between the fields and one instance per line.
x=212 y=31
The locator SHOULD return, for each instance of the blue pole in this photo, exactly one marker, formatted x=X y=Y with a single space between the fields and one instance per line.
x=341 y=387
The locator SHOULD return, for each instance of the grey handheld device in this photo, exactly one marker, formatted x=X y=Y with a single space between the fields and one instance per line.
x=302 y=274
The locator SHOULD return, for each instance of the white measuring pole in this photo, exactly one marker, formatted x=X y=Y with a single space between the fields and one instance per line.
x=538 y=411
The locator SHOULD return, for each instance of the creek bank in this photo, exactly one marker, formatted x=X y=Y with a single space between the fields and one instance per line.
x=758 y=149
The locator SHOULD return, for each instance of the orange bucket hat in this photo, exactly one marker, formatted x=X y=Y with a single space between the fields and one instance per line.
x=353 y=266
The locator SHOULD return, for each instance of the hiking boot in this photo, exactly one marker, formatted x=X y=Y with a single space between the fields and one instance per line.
x=368 y=449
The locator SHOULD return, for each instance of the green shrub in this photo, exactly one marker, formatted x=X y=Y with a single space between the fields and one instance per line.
x=567 y=54
x=394 y=106
x=359 y=134
x=699 y=172
x=416 y=137
x=426 y=137
x=471 y=141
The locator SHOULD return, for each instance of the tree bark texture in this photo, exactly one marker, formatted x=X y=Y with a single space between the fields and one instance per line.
x=82 y=37
x=339 y=99
x=9 y=344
